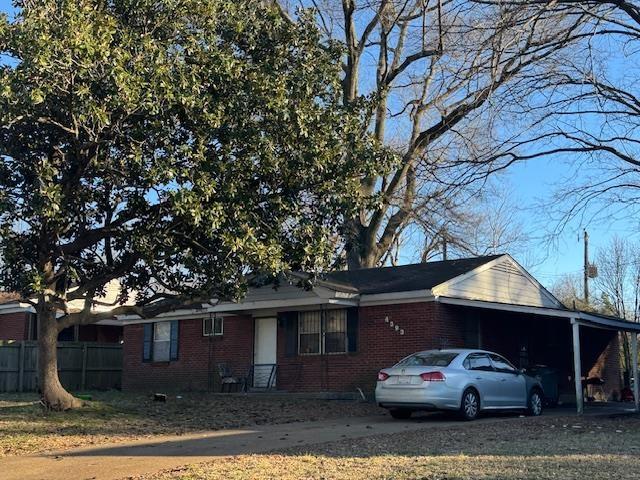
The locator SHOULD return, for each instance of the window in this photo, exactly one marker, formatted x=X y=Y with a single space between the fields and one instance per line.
x=212 y=326
x=322 y=332
x=478 y=361
x=428 y=359
x=335 y=331
x=502 y=365
x=161 y=341
x=309 y=328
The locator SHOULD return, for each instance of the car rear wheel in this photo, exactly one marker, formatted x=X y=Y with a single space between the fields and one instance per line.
x=470 y=405
x=400 y=413
x=534 y=407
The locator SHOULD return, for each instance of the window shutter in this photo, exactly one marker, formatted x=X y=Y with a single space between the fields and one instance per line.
x=175 y=326
x=352 y=329
x=289 y=321
x=147 y=343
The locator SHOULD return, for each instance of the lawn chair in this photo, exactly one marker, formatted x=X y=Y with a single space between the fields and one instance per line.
x=229 y=381
x=596 y=384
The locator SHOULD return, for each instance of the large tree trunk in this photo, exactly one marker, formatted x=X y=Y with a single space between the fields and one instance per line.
x=361 y=251
x=54 y=395
x=364 y=258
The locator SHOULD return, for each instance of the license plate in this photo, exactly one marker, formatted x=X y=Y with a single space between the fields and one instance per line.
x=404 y=379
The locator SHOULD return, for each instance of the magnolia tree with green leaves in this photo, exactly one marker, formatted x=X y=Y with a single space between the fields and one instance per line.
x=173 y=146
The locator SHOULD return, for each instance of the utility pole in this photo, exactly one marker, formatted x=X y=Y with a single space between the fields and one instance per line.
x=444 y=245
x=586 y=268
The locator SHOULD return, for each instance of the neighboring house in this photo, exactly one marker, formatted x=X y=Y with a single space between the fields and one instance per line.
x=19 y=321
x=336 y=335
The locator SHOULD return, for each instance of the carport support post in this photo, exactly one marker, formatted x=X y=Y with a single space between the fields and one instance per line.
x=577 y=368
x=634 y=366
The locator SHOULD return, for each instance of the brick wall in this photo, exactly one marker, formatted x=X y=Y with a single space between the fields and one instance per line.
x=14 y=326
x=426 y=325
x=601 y=358
x=524 y=339
x=197 y=356
x=100 y=333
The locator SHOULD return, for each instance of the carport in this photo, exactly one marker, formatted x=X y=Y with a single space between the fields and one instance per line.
x=576 y=319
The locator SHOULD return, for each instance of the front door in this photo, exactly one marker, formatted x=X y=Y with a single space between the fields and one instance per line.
x=264 y=357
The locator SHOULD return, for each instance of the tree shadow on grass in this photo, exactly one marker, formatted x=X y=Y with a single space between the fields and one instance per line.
x=123 y=415
x=426 y=435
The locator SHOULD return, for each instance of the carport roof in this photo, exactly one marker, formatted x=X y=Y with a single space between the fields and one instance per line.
x=588 y=319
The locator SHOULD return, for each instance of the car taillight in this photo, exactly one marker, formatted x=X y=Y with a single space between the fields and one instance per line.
x=382 y=376
x=433 y=377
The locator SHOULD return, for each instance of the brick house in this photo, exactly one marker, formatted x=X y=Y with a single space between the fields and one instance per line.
x=338 y=332
x=18 y=321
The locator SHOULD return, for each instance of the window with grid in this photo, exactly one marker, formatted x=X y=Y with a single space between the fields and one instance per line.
x=309 y=332
x=160 y=341
x=322 y=332
x=212 y=326
x=335 y=331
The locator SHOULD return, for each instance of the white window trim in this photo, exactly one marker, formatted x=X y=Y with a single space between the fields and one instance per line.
x=154 y=341
x=213 y=325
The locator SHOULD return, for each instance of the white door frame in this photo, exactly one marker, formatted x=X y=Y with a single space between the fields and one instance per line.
x=265 y=349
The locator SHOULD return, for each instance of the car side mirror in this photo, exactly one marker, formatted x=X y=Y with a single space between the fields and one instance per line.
x=521 y=371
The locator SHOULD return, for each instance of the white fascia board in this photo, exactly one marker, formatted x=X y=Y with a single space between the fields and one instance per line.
x=279 y=304
x=174 y=315
x=509 y=307
x=596 y=321
x=233 y=309
x=273 y=312
x=131 y=319
x=582 y=318
x=392 y=298
x=16 y=307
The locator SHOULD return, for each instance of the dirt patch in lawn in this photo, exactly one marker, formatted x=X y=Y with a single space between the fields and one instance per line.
x=540 y=448
x=114 y=416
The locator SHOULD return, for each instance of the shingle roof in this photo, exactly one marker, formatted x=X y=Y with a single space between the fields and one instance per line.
x=405 y=278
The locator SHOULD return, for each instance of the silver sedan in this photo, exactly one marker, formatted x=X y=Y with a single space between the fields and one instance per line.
x=468 y=381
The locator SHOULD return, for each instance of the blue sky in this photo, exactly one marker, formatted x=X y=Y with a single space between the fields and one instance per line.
x=533 y=183
x=5 y=6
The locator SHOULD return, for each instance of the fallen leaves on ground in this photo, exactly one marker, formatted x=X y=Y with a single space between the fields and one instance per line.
x=505 y=449
x=116 y=417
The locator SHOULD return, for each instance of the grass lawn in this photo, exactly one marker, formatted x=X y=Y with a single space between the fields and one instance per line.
x=542 y=448
x=114 y=416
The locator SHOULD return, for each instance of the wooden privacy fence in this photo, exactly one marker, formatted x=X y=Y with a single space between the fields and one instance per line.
x=81 y=366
